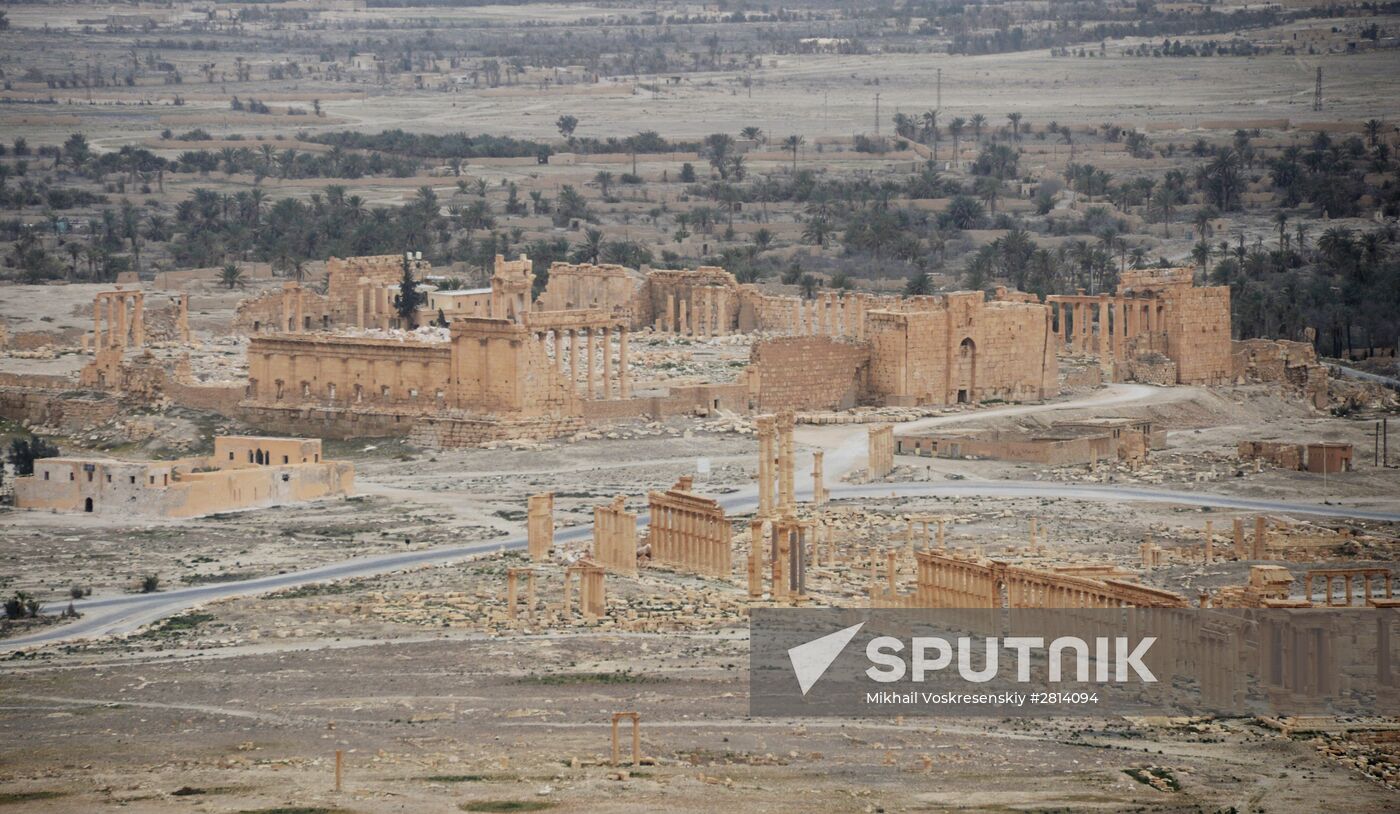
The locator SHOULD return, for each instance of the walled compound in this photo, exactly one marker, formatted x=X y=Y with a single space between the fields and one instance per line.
x=243 y=472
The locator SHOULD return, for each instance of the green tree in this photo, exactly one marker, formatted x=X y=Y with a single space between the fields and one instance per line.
x=231 y=276
x=409 y=297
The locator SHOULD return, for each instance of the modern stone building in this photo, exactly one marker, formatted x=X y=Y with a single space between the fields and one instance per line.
x=245 y=472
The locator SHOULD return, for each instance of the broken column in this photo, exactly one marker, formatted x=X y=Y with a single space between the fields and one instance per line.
x=767 y=436
x=540 y=526
x=787 y=500
x=818 y=479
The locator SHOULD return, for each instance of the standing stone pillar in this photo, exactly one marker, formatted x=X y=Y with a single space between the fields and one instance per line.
x=818 y=479
x=1118 y=328
x=588 y=366
x=97 y=337
x=624 y=373
x=138 y=320
x=767 y=432
x=119 y=301
x=558 y=352
x=360 y=305
x=669 y=323
x=607 y=364
x=573 y=360
x=787 y=501
x=301 y=310
x=1103 y=329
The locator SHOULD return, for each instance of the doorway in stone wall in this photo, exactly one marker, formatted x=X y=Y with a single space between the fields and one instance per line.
x=87 y=505
x=967 y=371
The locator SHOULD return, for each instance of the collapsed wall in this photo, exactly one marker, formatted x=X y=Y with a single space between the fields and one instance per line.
x=1292 y=365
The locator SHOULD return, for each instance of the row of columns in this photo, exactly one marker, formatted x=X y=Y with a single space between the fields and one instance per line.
x=694 y=537
x=827 y=314
x=373 y=305
x=616 y=379
x=1119 y=319
x=112 y=326
x=592 y=594
x=775 y=462
x=615 y=536
x=293 y=308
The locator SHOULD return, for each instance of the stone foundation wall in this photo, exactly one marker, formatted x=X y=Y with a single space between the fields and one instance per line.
x=447 y=432
x=68 y=411
x=1150 y=368
x=327 y=422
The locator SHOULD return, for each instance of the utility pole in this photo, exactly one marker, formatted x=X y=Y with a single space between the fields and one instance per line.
x=877 y=115
x=1317 y=90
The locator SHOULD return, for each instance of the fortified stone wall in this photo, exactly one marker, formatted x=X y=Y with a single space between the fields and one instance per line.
x=808 y=373
x=964 y=349
x=66 y=410
x=1198 y=334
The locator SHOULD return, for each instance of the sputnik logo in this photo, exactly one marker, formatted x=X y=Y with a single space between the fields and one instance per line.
x=811 y=659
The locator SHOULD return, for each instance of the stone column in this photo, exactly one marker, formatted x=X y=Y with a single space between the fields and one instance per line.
x=607 y=364
x=301 y=310
x=97 y=337
x=624 y=373
x=120 y=302
x=360 y=305
x=818 y=479
x=766 y=433
x=786 y=499
x=573 y=361
x=685 y=318
x=1119 y=327
x=669 y=322
x=588 y=366
x=138 y=320
x=559 y=352
x=1103 y=329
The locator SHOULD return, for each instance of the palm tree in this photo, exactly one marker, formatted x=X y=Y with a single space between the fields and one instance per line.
x=1202 y=222
x=1373 y=130
x=791 y=143
x=978 y=122
x=1282 y=220
x=604 y=179
x=717 y=147
x=817 y=231
x=930 y=130
x=809 y=283
x=1201 y=254
x=751 y=133
x=955 y=128
x=592 y=246
x=1015 y=119
x=231 y=276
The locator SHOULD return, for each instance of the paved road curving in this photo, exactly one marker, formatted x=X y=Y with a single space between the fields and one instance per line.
x=124 y=614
